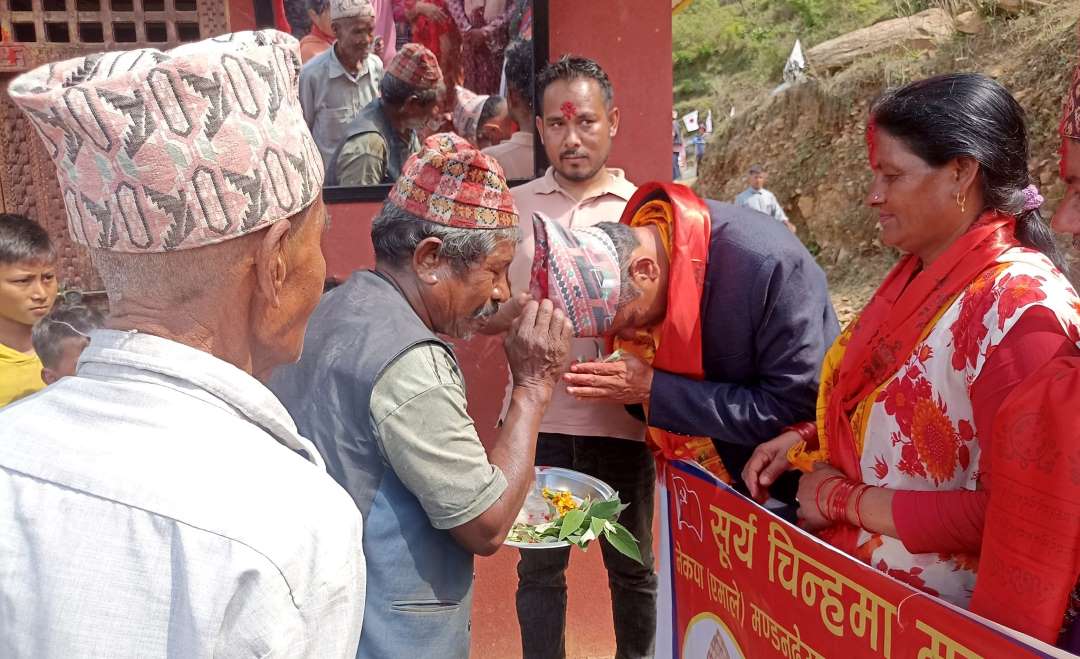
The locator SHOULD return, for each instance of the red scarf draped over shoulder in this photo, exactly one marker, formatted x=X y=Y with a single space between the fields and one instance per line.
x=1030 y=558
x=901 y=312
x=675 y=345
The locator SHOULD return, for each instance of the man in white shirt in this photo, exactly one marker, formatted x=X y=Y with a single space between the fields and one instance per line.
x=161 y=502
x=336 y=84
x=577 y=123
x=760 y=199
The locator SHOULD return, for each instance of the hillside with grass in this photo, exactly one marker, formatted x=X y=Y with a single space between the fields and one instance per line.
x=730 y=54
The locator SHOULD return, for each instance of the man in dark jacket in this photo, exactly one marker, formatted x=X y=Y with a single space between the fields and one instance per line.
x=766 y=321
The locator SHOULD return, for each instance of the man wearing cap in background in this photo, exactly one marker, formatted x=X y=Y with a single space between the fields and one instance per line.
x=380 y=139
x=382 y=397
x=162 y=503
x=756 y=197
x=482 y=120
x=339 y=82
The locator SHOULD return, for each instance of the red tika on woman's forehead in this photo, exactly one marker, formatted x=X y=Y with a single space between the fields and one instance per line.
x=871 y=142
x=1070 y=116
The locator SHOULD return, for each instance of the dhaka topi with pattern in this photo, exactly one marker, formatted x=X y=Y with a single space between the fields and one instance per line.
x=578 y=270
x=450 y=182
x=351 y=9
x=416 y=66
x=466 y=115
x=158 y=151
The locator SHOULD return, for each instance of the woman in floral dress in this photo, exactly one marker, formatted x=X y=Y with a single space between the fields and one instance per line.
x=484 y=31
x=897 y=467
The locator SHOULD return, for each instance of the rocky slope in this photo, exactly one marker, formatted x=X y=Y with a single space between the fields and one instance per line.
x=811 y=137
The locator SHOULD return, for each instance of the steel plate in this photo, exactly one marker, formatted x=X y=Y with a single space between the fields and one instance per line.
x=582 y=486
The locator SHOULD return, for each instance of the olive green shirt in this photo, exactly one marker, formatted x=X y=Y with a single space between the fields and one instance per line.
x=424 y=432
x=364 y=159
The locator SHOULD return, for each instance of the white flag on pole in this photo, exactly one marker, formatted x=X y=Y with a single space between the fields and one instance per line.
x=795 y=67
x=690 y=121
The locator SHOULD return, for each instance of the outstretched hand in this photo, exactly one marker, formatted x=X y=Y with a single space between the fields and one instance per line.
x=627 y=381
x=768 y=463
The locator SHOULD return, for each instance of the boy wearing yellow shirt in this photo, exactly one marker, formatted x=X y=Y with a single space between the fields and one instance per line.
x=27 y=291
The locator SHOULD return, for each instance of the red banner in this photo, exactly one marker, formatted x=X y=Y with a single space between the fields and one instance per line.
x=745 y=583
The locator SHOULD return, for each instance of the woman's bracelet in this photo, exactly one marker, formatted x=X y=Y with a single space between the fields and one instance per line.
x=817 y=493
x=839 y=499
x=858 y=505
x=806 y=430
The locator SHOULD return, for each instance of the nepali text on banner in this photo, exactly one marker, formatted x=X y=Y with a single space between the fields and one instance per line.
x=746 y=584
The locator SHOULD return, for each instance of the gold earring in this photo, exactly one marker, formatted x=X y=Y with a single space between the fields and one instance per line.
x=961 y=201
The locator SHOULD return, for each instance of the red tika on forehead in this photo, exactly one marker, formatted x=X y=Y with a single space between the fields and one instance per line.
x=1070 y=114
x=871 y=142
x=569 y=110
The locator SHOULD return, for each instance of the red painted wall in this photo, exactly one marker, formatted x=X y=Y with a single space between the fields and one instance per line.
x=241 y=15
x=632 y=41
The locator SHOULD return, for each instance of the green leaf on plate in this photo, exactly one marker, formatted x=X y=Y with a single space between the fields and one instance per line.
x=623 y=541
x=605 y=509
x=571 y=521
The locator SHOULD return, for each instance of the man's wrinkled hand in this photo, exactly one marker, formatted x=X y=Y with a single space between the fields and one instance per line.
x=627 y=381
x=504 y=317
x=537 y=345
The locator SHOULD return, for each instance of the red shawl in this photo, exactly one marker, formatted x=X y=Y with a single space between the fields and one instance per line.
x=1030 y=557
x=888 y=329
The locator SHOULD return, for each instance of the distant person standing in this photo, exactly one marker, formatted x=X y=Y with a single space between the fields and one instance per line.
x=337 y=84
x=321 y=36
x=676 y=146
x=760 y=199
x=698 y=140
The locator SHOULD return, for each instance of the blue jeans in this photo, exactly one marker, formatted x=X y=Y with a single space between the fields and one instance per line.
x=541 y=595
x=676 y=173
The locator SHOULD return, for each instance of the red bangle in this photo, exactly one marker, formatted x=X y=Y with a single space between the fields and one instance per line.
x=806 y=430
x=838 y=501
x=817 y=493
x=858 y=505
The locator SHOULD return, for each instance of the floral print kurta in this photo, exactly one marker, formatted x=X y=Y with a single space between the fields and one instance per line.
x=920 y=432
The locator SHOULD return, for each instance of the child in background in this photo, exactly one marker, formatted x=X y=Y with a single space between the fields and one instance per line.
x=59 y=339
x=27 y=292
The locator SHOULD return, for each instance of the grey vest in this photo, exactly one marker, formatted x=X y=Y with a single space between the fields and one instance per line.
x=372 y=119
x=419 y=588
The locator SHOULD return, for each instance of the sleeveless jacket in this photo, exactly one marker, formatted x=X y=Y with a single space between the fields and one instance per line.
x=372 y=119
x=419 y=593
